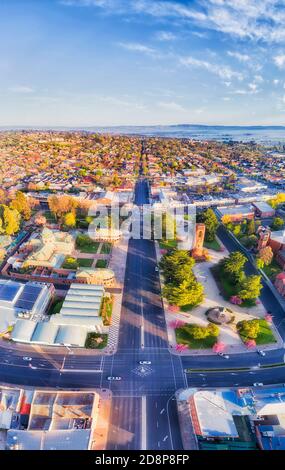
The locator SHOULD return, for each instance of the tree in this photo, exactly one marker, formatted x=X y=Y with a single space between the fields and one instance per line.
x=69 y=220
x=10 y=220
x=266 y=255
x=236 y=230
x=277 y=200
x=233 y=265
x=249 y=328
x=22 y=205
x=250 y=287
x=177 y=266
x=184 y=294
x=211 y=222
x=277 y=223
x=60 y=205
x=250 y=228
x=259 y=263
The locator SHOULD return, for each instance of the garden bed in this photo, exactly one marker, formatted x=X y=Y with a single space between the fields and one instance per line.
x=96 y=341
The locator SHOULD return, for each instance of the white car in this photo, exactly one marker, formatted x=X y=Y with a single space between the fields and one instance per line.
x=156 y=269
x=26 y=358
x=114 y=378
x=145 y=362
x=258 y=384
x=262 y=353
x=225 y=356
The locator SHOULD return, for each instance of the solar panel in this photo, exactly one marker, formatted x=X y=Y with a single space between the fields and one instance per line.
x=8 y=292
x=28 y=297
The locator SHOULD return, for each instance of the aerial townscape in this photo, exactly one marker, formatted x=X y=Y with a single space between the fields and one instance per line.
x=123 y=342
x=142 y=232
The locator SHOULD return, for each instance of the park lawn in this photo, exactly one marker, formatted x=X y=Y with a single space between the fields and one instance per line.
x=213 y=245
x=265 y=335
x=167 y=244
x=184 y=337
x=227 y=288
x=89 y=248
x=106 y=248
x=272 y=270
x=85 y=262
x=91 y=343
x=101 y=263
x=67 y=265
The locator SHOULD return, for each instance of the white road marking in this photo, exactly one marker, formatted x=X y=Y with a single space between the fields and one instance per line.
x=142 y=325
x=143 y=424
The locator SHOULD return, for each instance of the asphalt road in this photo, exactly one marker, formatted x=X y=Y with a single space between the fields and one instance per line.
x=144 y=414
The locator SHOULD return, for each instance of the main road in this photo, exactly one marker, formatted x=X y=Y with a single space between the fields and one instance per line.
x=144 y=414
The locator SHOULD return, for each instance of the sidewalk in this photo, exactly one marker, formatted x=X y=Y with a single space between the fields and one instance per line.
x=101 y=430
x=117 y=263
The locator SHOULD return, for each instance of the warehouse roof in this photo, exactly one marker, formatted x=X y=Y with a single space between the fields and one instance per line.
x=45 y=332
x=71 y=335
x=23 y=330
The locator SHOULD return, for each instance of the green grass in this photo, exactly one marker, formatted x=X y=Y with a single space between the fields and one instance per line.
x=101 y=263
x=272 y=270
x=265 y=335
x=167 y=244
x=91 y=342
x=68 y=264
x=89 y=248
x=85 y=262
x=213 y=245
x=106 y=248
x=55 y=306
x=183 y=336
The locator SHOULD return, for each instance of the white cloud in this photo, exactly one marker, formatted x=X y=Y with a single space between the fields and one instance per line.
x=279 y=60
x=223 y=71
x=21 y=89
x=136 y=47
x=239 y=56
x=276 y=81
x=165 y=36
x=254 y=19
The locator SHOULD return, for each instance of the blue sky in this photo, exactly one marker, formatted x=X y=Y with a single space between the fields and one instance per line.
x=122 y=62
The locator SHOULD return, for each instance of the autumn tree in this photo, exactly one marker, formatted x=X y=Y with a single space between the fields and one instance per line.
x=22 y=205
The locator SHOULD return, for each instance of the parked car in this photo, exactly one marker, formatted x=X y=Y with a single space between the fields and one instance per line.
x=26 y=358
x=258 y=384
x=156 y=269
x=145 y=362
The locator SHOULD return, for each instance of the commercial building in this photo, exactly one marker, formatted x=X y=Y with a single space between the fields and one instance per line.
x=262 y=209
x=236 y=213
x=19 y=300
x=57 y=421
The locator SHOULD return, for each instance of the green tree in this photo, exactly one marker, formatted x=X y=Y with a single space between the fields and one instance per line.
x=233 y=266
x=249 y=328
x=184 y=294
x=277 y=223
x=211 y=222
x=250 y=228
x=250 y=287
x=259 y=263
x=177 y=266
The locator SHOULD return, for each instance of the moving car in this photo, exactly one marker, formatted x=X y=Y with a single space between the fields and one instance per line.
x=145 y=362
x=114 y=378
x=156 y=269
x=225 y=356
x=262 y=353
x=258 y=384
x=26 y=358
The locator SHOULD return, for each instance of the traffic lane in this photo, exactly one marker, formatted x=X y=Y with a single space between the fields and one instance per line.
x=163 y=429
x=125 y=424
x=268 y=376
x=246 y=359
